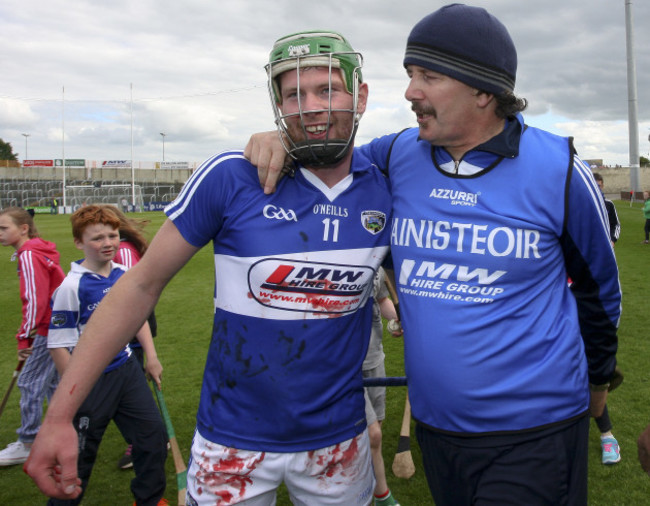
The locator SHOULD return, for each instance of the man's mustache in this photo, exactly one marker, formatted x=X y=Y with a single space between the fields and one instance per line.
x=426 y=111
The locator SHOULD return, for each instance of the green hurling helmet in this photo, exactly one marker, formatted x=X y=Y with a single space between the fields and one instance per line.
x=314 y=48
x=287 y=50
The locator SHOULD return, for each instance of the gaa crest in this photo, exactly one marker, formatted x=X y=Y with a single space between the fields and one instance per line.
x=373 y=221
x=58 y=319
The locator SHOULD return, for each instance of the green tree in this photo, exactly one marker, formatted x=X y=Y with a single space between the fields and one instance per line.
x=644 y=162
x=7 y=152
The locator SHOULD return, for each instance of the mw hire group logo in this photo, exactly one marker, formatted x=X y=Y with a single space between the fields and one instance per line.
x=313 y=287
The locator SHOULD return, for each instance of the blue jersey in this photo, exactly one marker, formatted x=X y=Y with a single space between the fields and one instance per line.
x=293 y=279
x=482 y=252
x=73 y=303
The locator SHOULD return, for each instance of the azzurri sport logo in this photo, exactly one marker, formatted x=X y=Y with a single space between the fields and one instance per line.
x=296 y=285
x=455 y=197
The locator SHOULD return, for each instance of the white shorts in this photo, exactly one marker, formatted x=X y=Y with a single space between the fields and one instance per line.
x=337 y=475
x=375 y=397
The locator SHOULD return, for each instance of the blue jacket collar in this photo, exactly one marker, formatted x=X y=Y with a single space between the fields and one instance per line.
x=503 y=145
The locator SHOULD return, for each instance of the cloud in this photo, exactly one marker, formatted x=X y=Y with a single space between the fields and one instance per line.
x=197 y=70
x=16 y=114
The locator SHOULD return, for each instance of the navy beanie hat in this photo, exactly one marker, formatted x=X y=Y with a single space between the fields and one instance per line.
x=466 y=43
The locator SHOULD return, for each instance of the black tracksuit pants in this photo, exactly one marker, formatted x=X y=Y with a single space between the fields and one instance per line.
x=123 y=395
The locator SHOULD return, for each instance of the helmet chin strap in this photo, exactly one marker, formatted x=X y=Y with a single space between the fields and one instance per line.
x=320 y=153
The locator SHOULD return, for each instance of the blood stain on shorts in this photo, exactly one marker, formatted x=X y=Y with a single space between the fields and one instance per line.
x=335 y=463
x=227 y=476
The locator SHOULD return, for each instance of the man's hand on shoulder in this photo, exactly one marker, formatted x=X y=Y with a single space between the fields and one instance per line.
x=266 y=152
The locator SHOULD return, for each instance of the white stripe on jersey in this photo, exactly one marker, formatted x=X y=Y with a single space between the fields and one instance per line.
x=193 y=182
x=27 y=270
x=297 y=286
x=126 y=255
x=617 y=227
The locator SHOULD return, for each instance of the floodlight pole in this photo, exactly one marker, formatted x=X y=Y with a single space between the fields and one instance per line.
x=632 y=107
x=63 y=146
x=163 y=137
x=132 y=168
x=155 y=175
x=25 y=157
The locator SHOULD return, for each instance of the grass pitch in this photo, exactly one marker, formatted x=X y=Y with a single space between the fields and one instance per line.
x=184 y=326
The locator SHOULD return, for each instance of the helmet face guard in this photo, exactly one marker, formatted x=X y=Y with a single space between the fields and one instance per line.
x=314 y=49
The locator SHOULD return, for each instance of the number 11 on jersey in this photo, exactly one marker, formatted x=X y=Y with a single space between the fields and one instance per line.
x=335 y=230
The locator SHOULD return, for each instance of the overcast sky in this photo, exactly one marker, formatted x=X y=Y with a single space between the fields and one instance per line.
x=83 y=78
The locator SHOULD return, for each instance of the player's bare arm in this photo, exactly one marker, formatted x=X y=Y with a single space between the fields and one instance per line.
x=52 y=463
x=266 y=152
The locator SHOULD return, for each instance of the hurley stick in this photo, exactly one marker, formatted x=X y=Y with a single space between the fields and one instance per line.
x=179 y=463
x=403 y=466
x=14 y=378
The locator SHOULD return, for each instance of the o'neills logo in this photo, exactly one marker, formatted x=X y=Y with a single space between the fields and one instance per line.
x=309 y=286
x=457 y=198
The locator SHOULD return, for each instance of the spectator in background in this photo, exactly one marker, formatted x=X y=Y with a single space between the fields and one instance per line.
x=373 y=367
x=646 y=214
x=133 y=245
x=610 y=451
x=40 y=274
x=614 y=223
x=121 y=393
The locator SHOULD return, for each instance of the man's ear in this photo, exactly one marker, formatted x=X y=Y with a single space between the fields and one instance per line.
x=363 y=98
x=484 y=99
